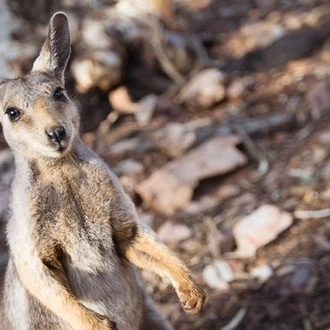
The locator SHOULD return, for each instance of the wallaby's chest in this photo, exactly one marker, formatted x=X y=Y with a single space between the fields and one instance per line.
x=75 y=212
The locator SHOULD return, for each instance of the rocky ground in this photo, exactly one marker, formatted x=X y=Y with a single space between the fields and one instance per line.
x=215 y=116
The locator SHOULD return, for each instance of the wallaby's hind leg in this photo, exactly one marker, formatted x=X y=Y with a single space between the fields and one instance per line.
x=154 y=320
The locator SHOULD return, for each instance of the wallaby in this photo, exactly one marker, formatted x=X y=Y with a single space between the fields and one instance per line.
x=74 y=236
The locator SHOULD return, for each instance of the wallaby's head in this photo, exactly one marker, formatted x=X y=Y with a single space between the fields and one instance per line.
x=38 y=118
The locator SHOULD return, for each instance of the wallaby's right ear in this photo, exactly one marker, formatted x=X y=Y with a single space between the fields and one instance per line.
x=55 y=52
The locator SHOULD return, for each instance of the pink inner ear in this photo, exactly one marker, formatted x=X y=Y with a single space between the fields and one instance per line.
x=42 y=62
x=56 y=49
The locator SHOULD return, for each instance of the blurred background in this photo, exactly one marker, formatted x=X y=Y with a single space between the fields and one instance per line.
x=215 y=116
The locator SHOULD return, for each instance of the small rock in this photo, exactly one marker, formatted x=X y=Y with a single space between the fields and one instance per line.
x=213 y=279
x=325 y=171
x=143 y=10
x=173 y=233
x=319 y=154
x=324 y=137
x=300 y=278
x=224 y=270
x=204 y=90
x=262 y=273
x=260 y=228
x=174 y=139
x=228 y=191
x=238 y=87
x=101 y=68
x=143 y=110
x=191 y=246
x=318 y=98
x=314 y=17
x=325 y=194
x=121 y=101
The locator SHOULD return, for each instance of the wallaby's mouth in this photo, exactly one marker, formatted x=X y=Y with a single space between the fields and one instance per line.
x=59 y=138
x=61 y=147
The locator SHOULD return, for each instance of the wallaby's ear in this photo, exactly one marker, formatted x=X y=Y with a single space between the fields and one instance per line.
x=55 y=52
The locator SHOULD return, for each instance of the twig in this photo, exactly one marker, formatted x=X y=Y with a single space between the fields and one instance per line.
x=252 y=149
x=258 y=126
x=312 y=214
x=253 y=126
x=161 y=56
x=203 y=58
x=307 y=324
x=236 y=320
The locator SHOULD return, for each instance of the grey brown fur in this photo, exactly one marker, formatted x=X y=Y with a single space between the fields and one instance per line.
x=73 y=235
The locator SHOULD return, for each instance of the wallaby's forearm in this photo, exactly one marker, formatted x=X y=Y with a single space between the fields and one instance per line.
x=40 y=282
x=145 y=252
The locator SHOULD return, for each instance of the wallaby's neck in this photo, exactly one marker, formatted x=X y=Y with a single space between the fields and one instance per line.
x=50 y=166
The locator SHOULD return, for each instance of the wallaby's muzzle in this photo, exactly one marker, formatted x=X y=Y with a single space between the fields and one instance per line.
x=57 y=135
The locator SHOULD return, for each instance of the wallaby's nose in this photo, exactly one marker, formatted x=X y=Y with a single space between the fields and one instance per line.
x=56 y=134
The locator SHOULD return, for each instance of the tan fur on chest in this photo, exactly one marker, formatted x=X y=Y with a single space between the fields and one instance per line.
x=72 y=204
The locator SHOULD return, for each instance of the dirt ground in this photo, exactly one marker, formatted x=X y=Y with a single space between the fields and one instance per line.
x=288 y=166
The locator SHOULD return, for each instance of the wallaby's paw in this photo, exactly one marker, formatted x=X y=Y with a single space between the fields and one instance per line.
x=192 y=298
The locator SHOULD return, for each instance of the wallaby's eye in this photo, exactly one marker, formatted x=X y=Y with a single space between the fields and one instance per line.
x=58 y=94
x=13 y=113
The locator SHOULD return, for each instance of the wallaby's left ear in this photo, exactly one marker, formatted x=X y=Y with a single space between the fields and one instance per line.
x=55 y=52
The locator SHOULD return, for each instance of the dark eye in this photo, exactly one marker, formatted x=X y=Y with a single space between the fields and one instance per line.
x=58 y=94
x=13 y=113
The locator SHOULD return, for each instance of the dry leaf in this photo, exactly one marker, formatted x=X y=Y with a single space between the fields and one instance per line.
x=171 y=187
x=259 y=228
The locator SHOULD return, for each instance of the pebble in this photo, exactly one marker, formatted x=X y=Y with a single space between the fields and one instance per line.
x=262 y=273
x=213 y=279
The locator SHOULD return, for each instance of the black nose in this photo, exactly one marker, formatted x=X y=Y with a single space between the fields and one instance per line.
x=56 y=134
